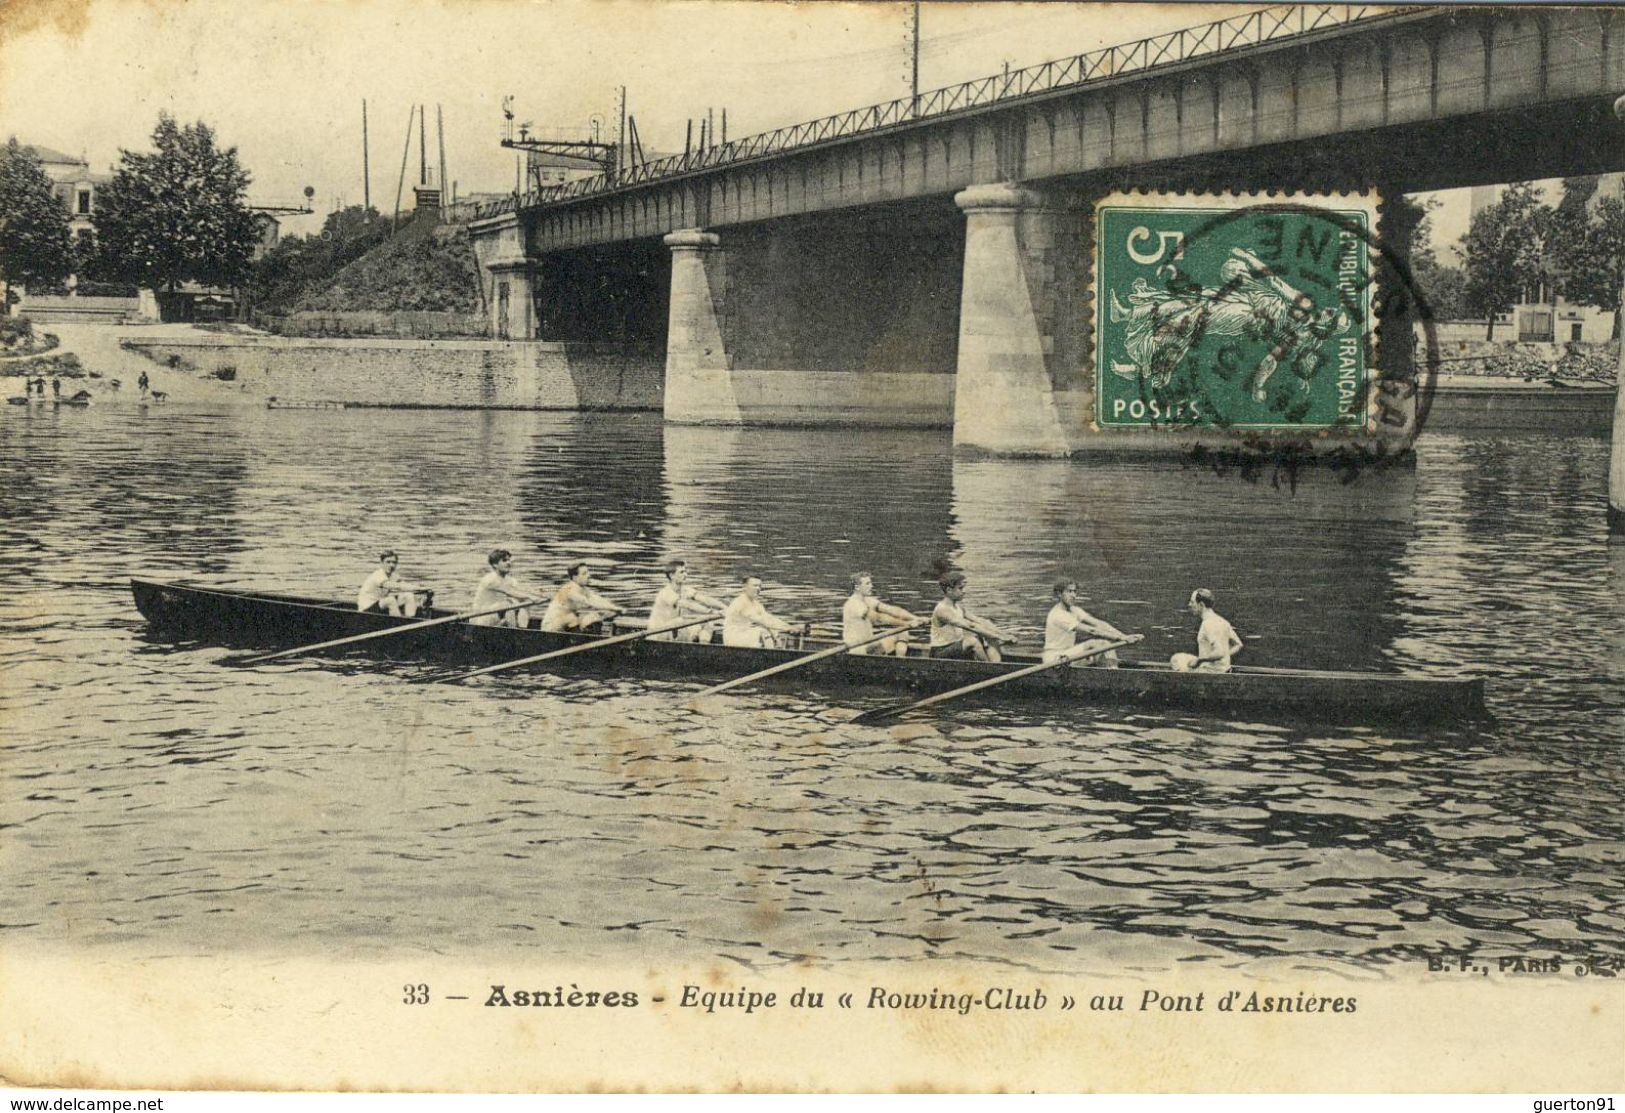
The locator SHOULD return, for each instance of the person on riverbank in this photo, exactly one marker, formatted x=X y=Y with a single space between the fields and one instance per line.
x=1216 y=640
x=859 y=614
x=575 y=605
x=499 y=586
x=956 y=633
x=677 y=601
x=383 y=593
x=747 y=623
x=1068 y=621
x=56 y=388
x=144 y=383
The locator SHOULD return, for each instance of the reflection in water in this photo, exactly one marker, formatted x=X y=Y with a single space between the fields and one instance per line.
x=155 y=799
x=1304 y=572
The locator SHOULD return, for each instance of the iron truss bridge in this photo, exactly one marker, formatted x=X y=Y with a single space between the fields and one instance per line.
x=1267 y=25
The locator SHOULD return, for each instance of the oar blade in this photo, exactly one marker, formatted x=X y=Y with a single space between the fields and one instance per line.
x=881 y=714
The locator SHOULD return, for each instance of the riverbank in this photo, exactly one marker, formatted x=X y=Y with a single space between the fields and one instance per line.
x=110 y=372
x=1477 y=403
x=416 y=374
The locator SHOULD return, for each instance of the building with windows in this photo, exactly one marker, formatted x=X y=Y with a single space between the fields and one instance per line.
x=76 y=187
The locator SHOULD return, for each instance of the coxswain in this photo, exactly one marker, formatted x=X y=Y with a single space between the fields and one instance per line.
x=676 y=602
x=956 y=633
x=859 y=614
x=575 y=605
x=1067 y=622
x=747 y=623
x=498 y=586
x=382 y=593
x=1216 y=640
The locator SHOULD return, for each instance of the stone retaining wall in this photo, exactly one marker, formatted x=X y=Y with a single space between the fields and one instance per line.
x=456 y=374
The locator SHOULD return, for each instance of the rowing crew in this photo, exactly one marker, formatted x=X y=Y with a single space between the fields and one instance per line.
x=955 y=632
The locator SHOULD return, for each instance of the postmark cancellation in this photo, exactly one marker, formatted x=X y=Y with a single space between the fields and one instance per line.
x=1246 y=312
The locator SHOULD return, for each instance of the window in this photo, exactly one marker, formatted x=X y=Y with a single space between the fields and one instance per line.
x=84 y=202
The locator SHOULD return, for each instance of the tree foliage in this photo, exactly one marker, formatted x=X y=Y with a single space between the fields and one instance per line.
x=421 y=267
x=176 y=215
x=1589 y=245
x=35 y=248
x=1504 y=251
x=1440 y=284
x=300 y=266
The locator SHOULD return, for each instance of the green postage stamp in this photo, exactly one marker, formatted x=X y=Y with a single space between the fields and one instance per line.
x=1235 y=311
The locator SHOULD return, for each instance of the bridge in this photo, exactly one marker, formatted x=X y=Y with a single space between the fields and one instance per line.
x=926 y=261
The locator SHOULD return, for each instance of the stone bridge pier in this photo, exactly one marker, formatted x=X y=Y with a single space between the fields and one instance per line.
x=1022 y=378
x=848 y=321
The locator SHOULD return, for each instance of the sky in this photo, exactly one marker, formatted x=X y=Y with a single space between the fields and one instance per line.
x=283 y=80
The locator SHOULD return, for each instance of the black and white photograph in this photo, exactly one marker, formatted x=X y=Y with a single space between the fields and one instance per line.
x=737 y=545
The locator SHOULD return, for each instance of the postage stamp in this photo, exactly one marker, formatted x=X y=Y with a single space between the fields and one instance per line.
x=1235 y=311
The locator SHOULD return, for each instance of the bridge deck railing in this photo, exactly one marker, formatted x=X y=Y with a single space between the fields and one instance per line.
x=1170 y=48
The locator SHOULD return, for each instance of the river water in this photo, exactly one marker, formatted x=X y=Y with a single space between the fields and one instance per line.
x=156 y=801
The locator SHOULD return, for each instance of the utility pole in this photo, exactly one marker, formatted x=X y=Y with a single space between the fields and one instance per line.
x=400 y=182
x=440 y=127
x=914 y=71
x=620 y=142
x=366 y=168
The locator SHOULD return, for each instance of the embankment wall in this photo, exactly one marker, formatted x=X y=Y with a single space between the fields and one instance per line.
x=455 y=374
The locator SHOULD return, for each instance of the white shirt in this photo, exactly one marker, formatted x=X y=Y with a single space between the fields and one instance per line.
x=1062 y=626
x=668 y=606
x=744 y=621
x=572 y=601
x=1213 y=640
x=373 y=590
x=494 y=590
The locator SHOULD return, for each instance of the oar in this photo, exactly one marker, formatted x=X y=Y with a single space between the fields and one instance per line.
x=596 y=643
x=843 y=647
x=408 y=628
x=1067 y=658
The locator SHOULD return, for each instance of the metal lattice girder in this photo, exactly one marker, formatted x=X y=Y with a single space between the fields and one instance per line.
x=1238 y=32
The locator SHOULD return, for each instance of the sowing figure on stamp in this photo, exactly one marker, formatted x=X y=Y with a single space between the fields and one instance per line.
x=1251 y=303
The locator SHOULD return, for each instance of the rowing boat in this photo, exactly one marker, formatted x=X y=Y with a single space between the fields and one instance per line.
x=251 y=618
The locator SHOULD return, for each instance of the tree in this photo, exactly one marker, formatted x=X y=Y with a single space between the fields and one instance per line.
x=302 y=265
x=35 y=249
x=176 y=215
x=1439 y=284
x=1590 y=249
x=1503 y=252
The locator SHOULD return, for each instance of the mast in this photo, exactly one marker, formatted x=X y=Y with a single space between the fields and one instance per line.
x=366 y=166
x=440 y=127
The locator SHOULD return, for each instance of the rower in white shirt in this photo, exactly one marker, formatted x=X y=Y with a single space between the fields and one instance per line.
x=747 y=623
x=382 y=593
x=499 y=586
x=1216 y=640
x=678 y=601
x=859 y=613
x=1067 y=622
x=956 y=633
x=575 y=605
